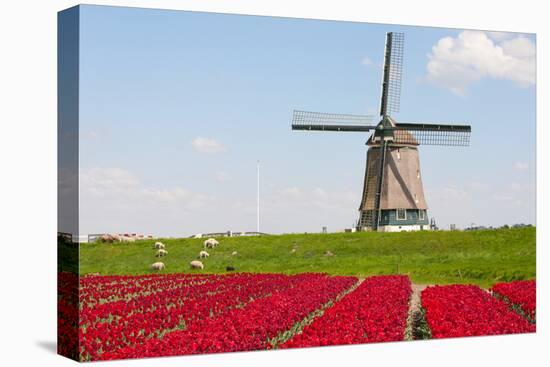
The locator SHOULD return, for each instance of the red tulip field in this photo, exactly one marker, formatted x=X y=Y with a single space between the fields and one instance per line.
x=467 y=310
x=521 y=294
x=178 y=314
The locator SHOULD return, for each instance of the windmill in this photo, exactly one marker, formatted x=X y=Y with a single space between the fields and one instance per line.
x=393 y=195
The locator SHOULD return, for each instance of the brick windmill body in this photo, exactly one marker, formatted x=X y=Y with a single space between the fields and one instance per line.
x=393 y=195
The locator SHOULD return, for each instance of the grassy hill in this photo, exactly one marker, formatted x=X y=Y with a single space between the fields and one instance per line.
x=480 y=257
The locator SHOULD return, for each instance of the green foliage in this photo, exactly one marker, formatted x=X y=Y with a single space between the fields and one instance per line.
x=481 y=257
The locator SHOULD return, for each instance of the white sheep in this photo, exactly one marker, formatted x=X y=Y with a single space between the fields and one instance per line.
x=210 y=243
x=203 y=254
x=196 y=264
x=127 y=239
x=160 y=245
x=157 y=266
x=234 y=253
x=161 y=253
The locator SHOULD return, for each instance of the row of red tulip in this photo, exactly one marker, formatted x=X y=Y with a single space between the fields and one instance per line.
x=111 y=326
x=247 y=328
x=375 y=312
x=467 y=310
x=101 y=289
x=521 y=293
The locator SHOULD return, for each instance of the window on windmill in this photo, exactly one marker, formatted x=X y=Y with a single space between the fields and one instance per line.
x=421 y=214
x=417 y=173
x=401 y=214
x=415 y=198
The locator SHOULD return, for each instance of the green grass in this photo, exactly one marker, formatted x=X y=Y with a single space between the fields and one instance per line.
x=480 y=257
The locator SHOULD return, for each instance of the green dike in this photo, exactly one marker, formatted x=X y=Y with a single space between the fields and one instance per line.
x=479 y=257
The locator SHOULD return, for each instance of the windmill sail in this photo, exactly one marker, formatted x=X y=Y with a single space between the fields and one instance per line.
x=432 y=134
x=320 y=121
x=393 y=72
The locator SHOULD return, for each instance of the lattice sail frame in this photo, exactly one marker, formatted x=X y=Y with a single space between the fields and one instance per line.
x=310 y=117
x=321 y=121
x=432 y=134
x=392 y=73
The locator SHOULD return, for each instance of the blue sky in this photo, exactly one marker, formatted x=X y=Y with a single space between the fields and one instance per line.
x=177 y=107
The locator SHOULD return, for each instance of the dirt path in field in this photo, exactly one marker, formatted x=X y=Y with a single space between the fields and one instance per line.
x=415 y=299
x=415 y=315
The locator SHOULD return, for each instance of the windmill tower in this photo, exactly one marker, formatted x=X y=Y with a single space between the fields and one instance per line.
x=393 y=195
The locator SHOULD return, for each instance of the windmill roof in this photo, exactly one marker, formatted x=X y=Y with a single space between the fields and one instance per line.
x=403 y=137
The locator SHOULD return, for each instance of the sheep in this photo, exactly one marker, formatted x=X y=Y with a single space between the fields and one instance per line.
x=195 y=264
x=293 y=251
x=157 y=266
x=210 y=243
x=161 y=253
x=127 y=239
x=234 y=253
x=203 y=255
x=159 y=246
x=106 y=238
x=230 y=268
x=328 y=253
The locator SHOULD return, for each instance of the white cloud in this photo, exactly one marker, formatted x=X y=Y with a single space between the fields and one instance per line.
x=502 y=197
x=456 y=63
x=478 y=186
x=298 y=209
x=294 y=197
x=366 y=61
x=92 y=134
x=115 y=200
x=120 y=187
x=222 y=176
x=500 y=36
x=521 y=166
x=290 y=191
x=207 y=145
x=455 y=192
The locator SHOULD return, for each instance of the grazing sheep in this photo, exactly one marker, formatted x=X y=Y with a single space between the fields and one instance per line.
x=234 y=253
x=328 y=253
x=106 y=238
x=161 y=253
x=210 y=243
x=195 y=264
x=203 y=255
x=159 y=246
x=157 y=266
x=293 y=251
x=127 y=239
x=230 y=268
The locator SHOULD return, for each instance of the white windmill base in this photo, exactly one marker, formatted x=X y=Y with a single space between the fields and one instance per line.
x=404 y=228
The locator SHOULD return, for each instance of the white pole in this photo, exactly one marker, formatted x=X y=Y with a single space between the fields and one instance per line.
x=258 y=199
